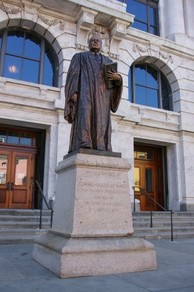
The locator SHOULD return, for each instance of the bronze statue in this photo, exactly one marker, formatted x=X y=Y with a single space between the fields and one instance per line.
x=89 y=101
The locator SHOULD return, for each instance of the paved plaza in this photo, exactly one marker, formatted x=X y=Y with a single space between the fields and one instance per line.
x=175 y=272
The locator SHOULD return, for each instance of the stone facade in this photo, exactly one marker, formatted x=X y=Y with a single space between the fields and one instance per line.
x=67 y=26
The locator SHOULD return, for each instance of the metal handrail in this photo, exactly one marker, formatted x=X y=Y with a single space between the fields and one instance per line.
x=143 y=193
x=41 y=205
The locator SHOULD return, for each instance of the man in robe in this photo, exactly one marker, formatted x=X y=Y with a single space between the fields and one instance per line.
x=89 y=101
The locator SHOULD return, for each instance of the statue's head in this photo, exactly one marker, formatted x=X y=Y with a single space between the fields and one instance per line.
x=95 y=43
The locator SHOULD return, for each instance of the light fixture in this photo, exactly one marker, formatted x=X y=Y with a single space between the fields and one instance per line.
x=13 y=69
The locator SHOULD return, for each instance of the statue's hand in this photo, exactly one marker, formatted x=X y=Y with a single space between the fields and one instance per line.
x=73 y=107
x=74 y=98
x=114 y=76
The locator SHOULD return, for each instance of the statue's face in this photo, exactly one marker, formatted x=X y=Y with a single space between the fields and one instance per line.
x=95 y=44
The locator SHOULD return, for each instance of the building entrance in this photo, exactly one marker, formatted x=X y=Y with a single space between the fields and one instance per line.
x=148 y=177
x=19 y=159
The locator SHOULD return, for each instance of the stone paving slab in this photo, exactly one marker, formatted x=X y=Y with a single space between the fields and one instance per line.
x=19 y=272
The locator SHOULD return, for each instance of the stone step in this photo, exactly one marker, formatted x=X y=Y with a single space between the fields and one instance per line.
x=162 y=223
x=161 y=214
x=21 y=225
x=183 y=225
x=24 y=212
x=6 y=218
x=165 y=229
x=177 y=235
x=20 y=236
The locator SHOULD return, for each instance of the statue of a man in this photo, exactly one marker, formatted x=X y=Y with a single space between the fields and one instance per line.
x=89 y=101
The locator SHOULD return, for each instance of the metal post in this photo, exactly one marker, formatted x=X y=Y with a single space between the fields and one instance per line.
x=171 y=223
x=134 y=201
x=40 y=222
x=151 y=223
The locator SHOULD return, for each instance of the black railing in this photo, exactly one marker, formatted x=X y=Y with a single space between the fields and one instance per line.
x=143 y=193
x=43 y=200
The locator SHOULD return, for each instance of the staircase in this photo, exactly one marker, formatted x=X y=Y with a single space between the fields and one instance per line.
x=183 y=225
x=18 y=225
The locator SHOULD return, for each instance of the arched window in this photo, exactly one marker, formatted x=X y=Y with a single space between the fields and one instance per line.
x=148 y=86
x=27 y=57
x=146 y=15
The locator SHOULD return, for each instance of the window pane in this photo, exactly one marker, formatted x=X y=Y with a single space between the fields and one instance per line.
x=12 y=67
x=20 y=171
x=140 y=95
x=48 y=69
x=15 y=42
x=1 y=35
x=13 y=140
x=138 y=9
x=153 y=98
x=152 y=15
x=130 y=94
x=32 y=47
x=145 y=154
x=152 y=80
x=149 y=180
x=146 y=16
x=30 y=71
x=26 y=141
x=141 y=26
x=3 y=136
x=3 y=168
x=137 y=178
x=166 y=95
x=153 y=30
x=140 y=75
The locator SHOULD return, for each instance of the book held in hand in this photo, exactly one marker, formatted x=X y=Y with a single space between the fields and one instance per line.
x=109 y=67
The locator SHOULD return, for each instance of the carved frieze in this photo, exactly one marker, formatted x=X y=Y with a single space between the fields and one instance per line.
x=11 y=10
x=142 y=49
x=52 y=22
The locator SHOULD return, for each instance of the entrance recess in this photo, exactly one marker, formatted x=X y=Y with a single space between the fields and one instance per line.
x=148 y=177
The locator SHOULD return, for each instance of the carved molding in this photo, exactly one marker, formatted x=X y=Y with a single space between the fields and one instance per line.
x=83 y=160
x=149 y=50
x=9 y=10
x=105 y=36
x=119 y=28
x=52 y=22
x=166 y=56
x=108 y=42
x=14 y=10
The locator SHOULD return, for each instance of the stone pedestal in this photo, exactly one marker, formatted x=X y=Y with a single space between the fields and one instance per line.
x=92 y=222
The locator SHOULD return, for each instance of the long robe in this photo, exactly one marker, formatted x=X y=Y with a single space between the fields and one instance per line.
x=90 y=115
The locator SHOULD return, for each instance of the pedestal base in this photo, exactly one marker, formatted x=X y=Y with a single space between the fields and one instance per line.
x=92 y=221
x=74 y=257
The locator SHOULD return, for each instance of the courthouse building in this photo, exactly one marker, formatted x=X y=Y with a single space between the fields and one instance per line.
x=153 y=43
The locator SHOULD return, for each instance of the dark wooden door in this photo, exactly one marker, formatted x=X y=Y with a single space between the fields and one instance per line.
x=16 y=173
x=148 y=178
